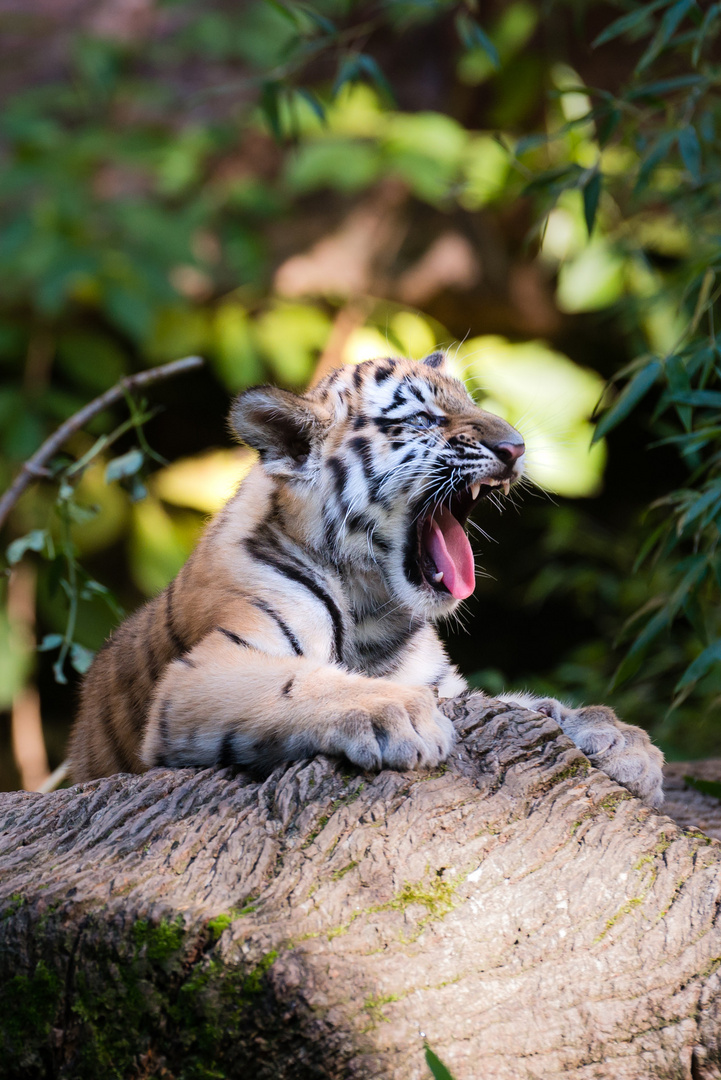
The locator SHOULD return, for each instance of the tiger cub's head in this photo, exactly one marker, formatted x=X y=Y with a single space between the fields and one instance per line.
x=382 y=463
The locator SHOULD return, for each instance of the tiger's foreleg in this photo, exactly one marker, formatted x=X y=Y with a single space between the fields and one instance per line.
x=228 y=703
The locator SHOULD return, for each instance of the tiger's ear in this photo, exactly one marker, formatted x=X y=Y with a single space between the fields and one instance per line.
x=280 y=425
x=434 y=359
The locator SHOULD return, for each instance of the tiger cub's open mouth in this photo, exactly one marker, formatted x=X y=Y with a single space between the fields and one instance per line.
x=445 y=558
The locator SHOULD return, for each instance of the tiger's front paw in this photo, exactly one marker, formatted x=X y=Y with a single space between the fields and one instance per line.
x=622 y=751
x=399 y=730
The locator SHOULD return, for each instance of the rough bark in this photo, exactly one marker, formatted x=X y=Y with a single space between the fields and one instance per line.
x=516 y=909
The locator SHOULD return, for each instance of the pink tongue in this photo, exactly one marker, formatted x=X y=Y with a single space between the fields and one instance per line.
x=448 y=545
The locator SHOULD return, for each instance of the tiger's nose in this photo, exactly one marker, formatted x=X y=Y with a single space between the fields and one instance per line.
x=509 y=452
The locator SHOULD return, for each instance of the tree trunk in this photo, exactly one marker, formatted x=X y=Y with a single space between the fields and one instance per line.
x=515 y=909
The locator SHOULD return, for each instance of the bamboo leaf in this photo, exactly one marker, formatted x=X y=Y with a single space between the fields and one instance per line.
x=629 y=398
x=474 y=36
x=439 y=1070
x=690 y=149
x=591 y=196
x=368 y=66
x=706 y=399
x=702 y=35
x=270 y=107
x=627 y=22
x=701 y=665
x=660 y=150
x=665 y=86
x=669 y=24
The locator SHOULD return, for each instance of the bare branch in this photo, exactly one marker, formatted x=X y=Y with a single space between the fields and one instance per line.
x=34 y=467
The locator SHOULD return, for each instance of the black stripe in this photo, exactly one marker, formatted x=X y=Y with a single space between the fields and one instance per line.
x=226 y=752
x=312 y=586
x=175 y=640
x=289 y=685
x=292 y=639
x=233 y=637
x=340 y=475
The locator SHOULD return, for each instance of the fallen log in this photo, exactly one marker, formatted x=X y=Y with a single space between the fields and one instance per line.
x=515 y=909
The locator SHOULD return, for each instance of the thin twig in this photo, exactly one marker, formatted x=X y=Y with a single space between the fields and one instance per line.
x=34 y=467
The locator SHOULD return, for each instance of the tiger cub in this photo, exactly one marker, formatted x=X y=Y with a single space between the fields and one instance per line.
x=303 y=623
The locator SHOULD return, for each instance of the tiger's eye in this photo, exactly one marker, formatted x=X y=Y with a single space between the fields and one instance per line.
x=421 y=420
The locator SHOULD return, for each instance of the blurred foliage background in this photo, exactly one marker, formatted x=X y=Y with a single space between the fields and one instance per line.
x=282 y=187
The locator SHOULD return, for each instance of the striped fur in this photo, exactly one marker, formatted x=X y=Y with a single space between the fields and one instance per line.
x=304 y=621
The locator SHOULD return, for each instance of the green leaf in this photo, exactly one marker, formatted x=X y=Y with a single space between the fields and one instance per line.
x=707 y=787
x=81 y=515
x=320 y=20
x=669 y=24
x=348 y=72
x=690 y=149
x=80 y=657
x=32 y=541
x=439 y=1070
x=706 y=399
x=125 y=465
x=368 y=66
x=702 y=35
x=665 y=86
x=270 y=107
x=627 y=22
x=58 y=672
x=608 y=121
x=282 y=10
x=50 y=641
x=314 y=102
x=659 y=151
x=474 y=36
x=701 y=665
x=627 y=401
x=701 y=504
x=591 y=196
